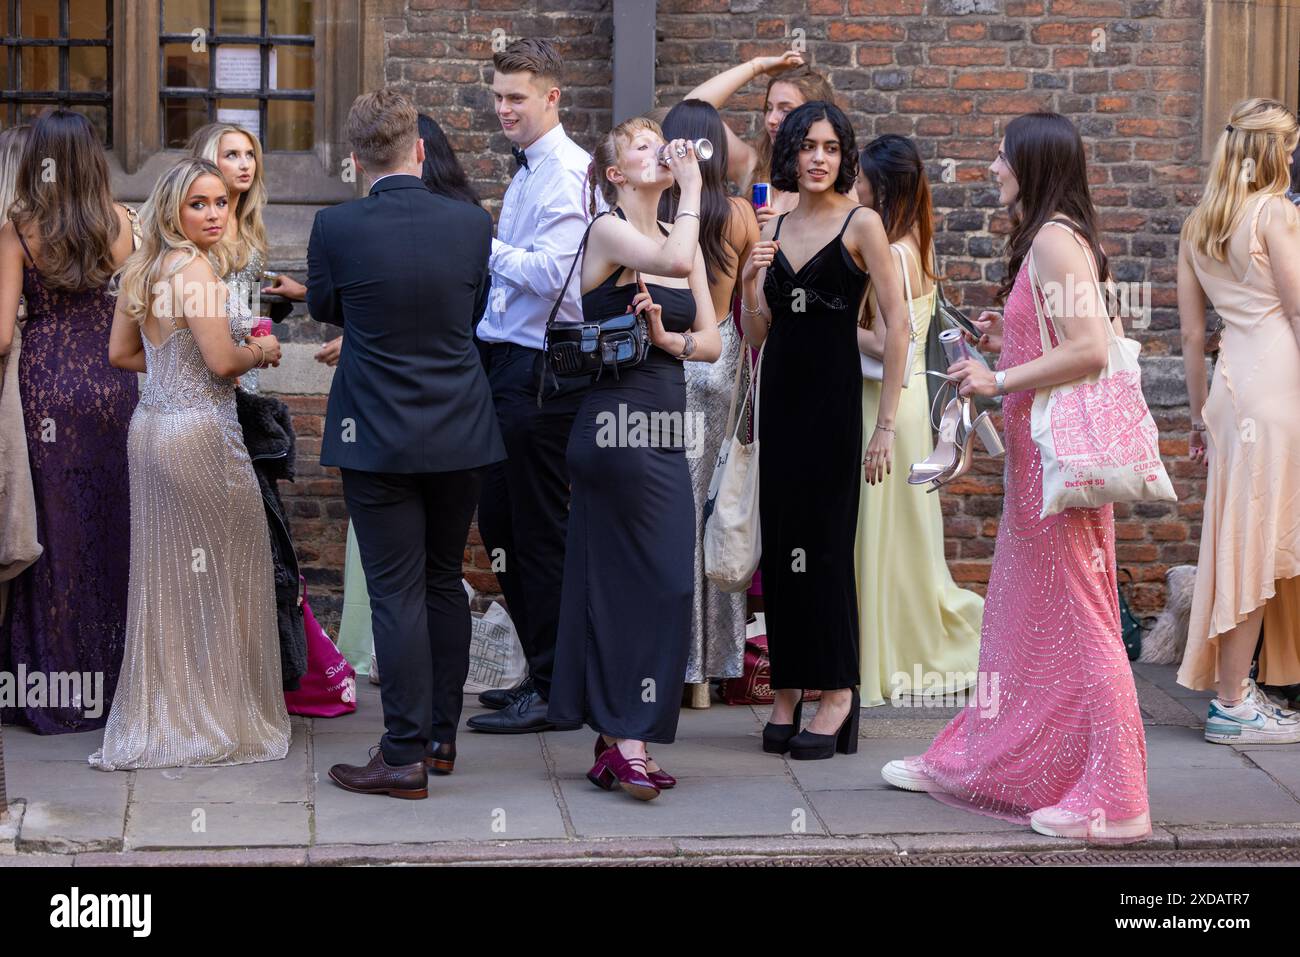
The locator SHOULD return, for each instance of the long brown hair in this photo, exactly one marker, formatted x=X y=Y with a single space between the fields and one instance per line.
x=62 y=192
x=901 y=192
x=692 y=120
x=813 y=86
x=1046 y=155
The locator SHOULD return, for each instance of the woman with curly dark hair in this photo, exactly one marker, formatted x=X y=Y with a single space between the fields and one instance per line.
x=809 y=417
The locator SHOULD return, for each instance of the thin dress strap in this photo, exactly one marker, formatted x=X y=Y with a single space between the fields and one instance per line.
x=779 y=220
x=840 y=235
x=32 y=259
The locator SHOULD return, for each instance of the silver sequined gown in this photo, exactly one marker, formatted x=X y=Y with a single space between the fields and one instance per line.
x=200 y=681
x=246 y=283
x=717 y=618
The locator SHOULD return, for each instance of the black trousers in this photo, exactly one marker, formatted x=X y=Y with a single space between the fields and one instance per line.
x=524 y=509
x=411 y=532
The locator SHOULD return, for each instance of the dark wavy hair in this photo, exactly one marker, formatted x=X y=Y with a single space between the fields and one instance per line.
x=692 y=120
x=893 y=167
x=1045 y=152
x=790 y=137
x=442 y=172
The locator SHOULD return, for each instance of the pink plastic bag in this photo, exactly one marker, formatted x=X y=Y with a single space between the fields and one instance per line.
x=329 y=688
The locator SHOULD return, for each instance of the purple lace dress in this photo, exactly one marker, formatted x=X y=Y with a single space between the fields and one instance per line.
x=67 y=613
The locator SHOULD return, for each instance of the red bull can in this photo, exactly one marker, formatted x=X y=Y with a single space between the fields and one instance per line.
x=762 y=195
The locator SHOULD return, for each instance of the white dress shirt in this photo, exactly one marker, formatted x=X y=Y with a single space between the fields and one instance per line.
x=543 y=217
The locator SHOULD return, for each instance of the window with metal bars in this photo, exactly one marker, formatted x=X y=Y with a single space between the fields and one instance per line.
x=247 y=62
x=57 y=53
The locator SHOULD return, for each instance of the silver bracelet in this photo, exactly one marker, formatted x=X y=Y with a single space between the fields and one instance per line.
x=745 y=308
x=687 y=212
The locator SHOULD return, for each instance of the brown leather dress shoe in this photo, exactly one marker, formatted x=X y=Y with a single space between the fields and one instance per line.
x=379 y=777
x=440 y=758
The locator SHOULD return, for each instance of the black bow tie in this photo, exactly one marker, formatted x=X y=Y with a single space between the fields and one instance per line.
x=521 y=158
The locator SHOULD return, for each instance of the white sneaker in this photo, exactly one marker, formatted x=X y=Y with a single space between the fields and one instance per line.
x=901 y=776
x=1257 y=720
x=1058 y=822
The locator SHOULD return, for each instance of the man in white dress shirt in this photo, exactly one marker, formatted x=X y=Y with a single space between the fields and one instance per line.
x=523 y=510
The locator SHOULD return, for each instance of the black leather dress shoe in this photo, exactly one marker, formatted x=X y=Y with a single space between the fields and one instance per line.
x=440 y=757
x=498 y=698
x=526 y=714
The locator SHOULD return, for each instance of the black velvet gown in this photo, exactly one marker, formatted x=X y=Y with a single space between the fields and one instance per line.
x=810 y=462
x=625 y=607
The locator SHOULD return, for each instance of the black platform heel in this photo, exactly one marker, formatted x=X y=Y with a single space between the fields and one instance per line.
x=776 y=737
x=809 y=746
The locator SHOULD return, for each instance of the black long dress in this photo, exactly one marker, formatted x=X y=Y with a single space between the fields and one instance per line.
x=625 y=606
x=810 y=441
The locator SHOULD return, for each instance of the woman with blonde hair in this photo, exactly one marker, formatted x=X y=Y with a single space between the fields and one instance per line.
x=1240 y=250
x=201 y=678
x=64 y=240
x=238 y=155
x=791 y=84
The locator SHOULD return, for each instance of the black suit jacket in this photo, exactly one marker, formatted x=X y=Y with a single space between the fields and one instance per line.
x=404 y=272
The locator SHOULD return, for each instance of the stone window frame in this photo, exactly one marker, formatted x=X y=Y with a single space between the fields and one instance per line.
x=1267 y=32
x=349 y=58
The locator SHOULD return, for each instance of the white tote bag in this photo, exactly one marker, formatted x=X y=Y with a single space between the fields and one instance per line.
x=1096 y=436
x=873 y=368
x=732 y=539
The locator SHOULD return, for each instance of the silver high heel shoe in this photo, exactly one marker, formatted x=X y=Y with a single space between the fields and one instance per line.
x=954 y=452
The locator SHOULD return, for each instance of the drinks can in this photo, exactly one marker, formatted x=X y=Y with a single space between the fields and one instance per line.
x=954 y=345
x=261 y=327
x=761 y=195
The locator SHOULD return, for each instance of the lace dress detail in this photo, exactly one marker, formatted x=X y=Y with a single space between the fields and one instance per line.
x=200 y=681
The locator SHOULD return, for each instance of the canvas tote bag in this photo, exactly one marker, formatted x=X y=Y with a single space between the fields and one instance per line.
x=732 y=539
x=1096 y=436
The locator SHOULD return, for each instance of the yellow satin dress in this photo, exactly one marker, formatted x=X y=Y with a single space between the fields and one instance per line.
x=918 y=632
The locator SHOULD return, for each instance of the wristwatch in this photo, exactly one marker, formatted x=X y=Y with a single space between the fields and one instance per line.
x=1000 y=378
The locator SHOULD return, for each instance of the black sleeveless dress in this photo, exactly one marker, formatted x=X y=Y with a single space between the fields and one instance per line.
x=810 y=466
x=625 y=606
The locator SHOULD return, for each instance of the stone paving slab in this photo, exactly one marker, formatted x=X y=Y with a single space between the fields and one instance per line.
x=152 y=825
x=1201 y=796
x=897 y=812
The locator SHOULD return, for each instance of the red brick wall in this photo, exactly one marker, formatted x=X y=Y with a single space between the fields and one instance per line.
x=950 y=73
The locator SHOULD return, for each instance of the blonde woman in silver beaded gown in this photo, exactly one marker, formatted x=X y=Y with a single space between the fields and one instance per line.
x=200 y=680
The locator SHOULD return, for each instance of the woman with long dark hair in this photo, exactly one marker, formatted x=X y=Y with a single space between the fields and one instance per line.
x=791 y=83
x=810 y=421
x=1055 y=739
x=64 y=240
x=728 y=230
x=915 y=624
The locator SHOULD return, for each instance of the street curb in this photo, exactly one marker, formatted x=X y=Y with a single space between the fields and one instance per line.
x=916 y=847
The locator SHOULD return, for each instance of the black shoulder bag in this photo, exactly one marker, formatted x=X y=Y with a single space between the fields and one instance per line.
x=576 y=348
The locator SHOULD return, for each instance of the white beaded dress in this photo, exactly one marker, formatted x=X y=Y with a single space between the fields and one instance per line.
x=200 y=681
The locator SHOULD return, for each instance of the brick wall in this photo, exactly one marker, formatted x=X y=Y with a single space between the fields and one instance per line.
x=949 y=73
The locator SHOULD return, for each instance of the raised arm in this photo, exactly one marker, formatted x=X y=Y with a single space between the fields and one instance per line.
x=755 y=315
x=719 y=89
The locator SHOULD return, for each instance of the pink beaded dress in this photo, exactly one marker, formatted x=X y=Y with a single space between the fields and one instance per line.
x=1055 y=719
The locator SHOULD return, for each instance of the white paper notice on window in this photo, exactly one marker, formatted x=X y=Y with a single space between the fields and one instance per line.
x=250 y=120
x=240 y=68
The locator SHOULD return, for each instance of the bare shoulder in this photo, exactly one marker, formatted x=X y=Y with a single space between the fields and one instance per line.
x=1055 y=245
x=864 y=226
x=1279 y=215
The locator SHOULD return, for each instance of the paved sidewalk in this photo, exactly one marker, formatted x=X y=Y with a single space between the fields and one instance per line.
x=526 y=798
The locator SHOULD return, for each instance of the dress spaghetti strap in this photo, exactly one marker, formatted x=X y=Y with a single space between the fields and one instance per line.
x=840 y=235
x=30 y=258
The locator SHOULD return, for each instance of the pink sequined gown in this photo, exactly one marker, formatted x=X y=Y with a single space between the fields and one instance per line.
x=1063 y=728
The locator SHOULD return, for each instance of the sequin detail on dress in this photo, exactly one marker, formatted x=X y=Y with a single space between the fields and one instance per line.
x=1060 y=725
x=200 y=681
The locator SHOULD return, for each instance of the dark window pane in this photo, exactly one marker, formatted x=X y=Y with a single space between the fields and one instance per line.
x=241 y=113
x=98 y=116
x=289 y=16
x=40 y=19
x=239 y=16
x=183 y=67
x=87 y=19
x=294 y=68
x=40 y=68
x=181 y=118
x=88 y=68
x=184 y=16
x=27 y=112
x=289 y=124
x=5 y=82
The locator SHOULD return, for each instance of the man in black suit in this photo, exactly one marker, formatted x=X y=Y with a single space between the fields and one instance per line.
x=410 y=423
